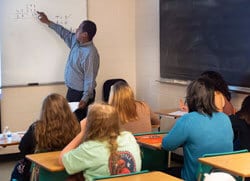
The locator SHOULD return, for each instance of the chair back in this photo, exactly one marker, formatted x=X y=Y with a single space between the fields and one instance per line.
x=107 y=86
x=218 y=176
x=120 y=175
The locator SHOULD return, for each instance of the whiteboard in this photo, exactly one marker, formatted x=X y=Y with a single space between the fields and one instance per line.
x=31 y=51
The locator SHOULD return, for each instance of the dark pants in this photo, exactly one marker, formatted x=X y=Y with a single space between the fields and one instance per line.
x=75 y=96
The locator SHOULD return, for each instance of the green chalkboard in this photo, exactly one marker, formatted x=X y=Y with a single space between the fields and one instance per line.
x=199 y=35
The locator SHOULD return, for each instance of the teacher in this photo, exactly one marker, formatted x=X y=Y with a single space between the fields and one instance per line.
x=82 y=65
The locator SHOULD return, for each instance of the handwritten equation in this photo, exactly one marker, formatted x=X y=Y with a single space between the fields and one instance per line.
x=30 y=11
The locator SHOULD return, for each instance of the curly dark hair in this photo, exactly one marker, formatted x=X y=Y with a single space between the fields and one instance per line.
x=244 y=112
x=219 y=83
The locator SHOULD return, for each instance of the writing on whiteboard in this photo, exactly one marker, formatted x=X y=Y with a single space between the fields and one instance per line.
x=30 y=11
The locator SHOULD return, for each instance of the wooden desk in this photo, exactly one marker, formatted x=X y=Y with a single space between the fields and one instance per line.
x=159 y=176
x=154 y=157
x=152 y=141
x=174 y=113
x=237 y=164
x=48 y=160
x=15 y=139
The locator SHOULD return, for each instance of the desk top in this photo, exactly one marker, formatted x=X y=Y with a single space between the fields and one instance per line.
x=15 y=139
x=237 y=164
x=160 y=176
x=152 y=141
x=48 y=160
x=175 y=112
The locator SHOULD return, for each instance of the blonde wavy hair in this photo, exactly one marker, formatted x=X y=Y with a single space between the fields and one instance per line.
x=103 y=125
x=57 y=125
x=123 y=100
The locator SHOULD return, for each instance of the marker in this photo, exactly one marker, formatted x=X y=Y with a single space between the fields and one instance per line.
x=33 y=84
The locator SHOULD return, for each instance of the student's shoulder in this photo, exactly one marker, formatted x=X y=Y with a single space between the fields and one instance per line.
x=126 y=136
x=190 y=115
x=236 y=120
x=93 y=145
x=221 y=115
x=142 y=105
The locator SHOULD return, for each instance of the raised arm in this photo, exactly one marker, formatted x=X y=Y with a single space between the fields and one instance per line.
x=75 y=142
x=65 y=34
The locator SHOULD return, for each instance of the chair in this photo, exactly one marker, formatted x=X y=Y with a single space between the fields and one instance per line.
x=221 y=176
x=107 y=86
x=121 y=175
x=41 y=174
x=203 y=168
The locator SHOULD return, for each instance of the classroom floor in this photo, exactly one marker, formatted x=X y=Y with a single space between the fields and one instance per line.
x=6 y=169
x=7 y=163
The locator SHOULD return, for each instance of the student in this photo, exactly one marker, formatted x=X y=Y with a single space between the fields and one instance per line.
x=241 y=126
x=82 y=65
x=136 y=116
x=101 y=149
x=56 y=127
x=222 y=94
x=203 y=130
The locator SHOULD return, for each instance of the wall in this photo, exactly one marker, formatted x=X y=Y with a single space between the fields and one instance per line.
x=115 y=41
x=158 y=95
x=128 y=42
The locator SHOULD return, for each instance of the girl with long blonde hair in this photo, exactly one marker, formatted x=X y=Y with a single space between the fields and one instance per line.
x=101 y=149
x=136 y=116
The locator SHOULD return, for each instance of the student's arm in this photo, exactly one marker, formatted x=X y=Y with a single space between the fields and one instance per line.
x=154 y=118
x=177 y=135
x=65 y=34
x=75 y=142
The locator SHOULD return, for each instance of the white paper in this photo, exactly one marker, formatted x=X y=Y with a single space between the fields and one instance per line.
x=73 y=106
x=177 y=113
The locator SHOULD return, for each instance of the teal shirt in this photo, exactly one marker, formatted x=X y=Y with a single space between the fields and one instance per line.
x=199 y=134
x=92 y=157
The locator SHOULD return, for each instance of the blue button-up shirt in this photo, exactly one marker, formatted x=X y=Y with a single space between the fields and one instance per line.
x=82 y=65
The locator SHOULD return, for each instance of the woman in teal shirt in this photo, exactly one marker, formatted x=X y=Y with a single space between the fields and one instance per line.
x=203 y=130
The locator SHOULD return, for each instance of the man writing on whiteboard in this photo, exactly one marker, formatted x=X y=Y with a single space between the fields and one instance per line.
x=82 y=64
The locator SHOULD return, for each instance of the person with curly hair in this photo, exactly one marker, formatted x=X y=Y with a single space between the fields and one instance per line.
x=55 y=128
